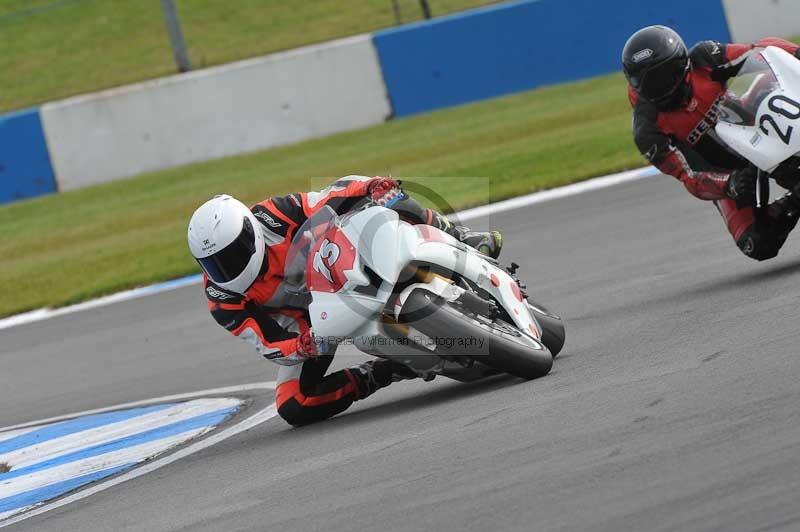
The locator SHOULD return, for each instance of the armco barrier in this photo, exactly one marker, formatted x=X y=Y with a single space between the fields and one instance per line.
x=520 y=45
x=232 y=109
x=750 y=20
x=25 y=169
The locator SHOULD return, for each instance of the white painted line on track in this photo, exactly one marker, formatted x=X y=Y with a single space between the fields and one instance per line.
x=167 y=398
x=574 y=189
x=47 y=313
x=247 y=423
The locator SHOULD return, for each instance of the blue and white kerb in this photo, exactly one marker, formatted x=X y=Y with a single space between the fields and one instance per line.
x=43 y=462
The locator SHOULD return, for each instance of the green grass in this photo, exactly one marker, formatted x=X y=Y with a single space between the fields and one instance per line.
x=52 y=49
x=65 y=248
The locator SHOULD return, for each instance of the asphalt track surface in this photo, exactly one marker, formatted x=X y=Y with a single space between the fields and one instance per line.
x=674 y=405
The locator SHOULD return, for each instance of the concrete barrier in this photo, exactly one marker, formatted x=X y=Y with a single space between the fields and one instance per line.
x=750 y=20
x=517 y=46
x=25 y=169
x=240 y=107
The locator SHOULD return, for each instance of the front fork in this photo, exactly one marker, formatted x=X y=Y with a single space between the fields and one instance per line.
x=762 y=192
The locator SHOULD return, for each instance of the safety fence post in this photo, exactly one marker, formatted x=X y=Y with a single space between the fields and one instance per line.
x=176 y=35
x=426 y=8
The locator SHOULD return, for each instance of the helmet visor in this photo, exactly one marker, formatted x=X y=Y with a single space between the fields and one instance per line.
x=661 y=82
x=228 y=263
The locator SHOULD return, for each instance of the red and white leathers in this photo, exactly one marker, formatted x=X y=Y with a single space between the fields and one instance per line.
x=272 y=318
x=682 y=143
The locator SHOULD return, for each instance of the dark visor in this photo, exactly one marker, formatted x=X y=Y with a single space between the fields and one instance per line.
x=661 y=82
x=227 y=264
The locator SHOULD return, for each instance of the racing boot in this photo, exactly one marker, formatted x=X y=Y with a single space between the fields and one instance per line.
x=379 y=373
x=487 y=242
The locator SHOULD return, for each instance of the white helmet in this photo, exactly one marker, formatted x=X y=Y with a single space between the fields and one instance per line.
x=227 y=241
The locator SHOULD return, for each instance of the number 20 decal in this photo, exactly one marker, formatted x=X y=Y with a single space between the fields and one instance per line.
x=784 y=109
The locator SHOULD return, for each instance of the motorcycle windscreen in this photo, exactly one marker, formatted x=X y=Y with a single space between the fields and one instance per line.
x=759 y=116
x=304 y=239
x=381 y=244
x=745 y=92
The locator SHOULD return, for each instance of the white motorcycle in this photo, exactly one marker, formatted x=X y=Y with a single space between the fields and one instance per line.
x=416 y=295
x=759 y=117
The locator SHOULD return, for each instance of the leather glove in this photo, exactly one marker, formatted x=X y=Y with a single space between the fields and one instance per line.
x=741 y=184
x=382 y=190
x=306 y=345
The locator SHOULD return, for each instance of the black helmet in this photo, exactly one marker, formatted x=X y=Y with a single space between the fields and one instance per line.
x=656 y=64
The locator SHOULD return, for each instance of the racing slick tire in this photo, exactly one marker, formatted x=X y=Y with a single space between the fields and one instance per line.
x=553 y=334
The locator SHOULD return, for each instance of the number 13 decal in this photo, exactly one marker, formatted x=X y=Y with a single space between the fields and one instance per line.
x=327 y=251
x=783 y=106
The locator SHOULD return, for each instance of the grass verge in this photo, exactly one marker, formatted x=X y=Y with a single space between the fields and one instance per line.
x=57 y=48
x=65 y=248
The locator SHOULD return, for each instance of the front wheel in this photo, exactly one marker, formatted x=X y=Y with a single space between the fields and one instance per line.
x=458 y=333
x=553 y=334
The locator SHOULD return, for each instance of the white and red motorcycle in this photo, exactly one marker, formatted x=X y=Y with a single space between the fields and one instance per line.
x=416 y=295
x=759 y=116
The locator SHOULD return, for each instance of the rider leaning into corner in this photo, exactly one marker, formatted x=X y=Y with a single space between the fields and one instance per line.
x=242 y=252
x=675 y=94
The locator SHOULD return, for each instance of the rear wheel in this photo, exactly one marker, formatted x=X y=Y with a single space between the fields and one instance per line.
x=457 y=332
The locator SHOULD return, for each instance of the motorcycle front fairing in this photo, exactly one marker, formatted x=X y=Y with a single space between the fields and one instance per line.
x=760 y=111
x=384 y=247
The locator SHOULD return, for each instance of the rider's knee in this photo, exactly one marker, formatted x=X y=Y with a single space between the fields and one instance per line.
x=758 y=246
x=297 y=414
x=294 y=414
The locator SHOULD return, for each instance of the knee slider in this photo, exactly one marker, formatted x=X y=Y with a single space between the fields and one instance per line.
x=293 y=413
x=758 y=247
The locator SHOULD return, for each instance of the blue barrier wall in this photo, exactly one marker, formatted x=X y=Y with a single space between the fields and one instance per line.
x=520 y=45
x=25 y=169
